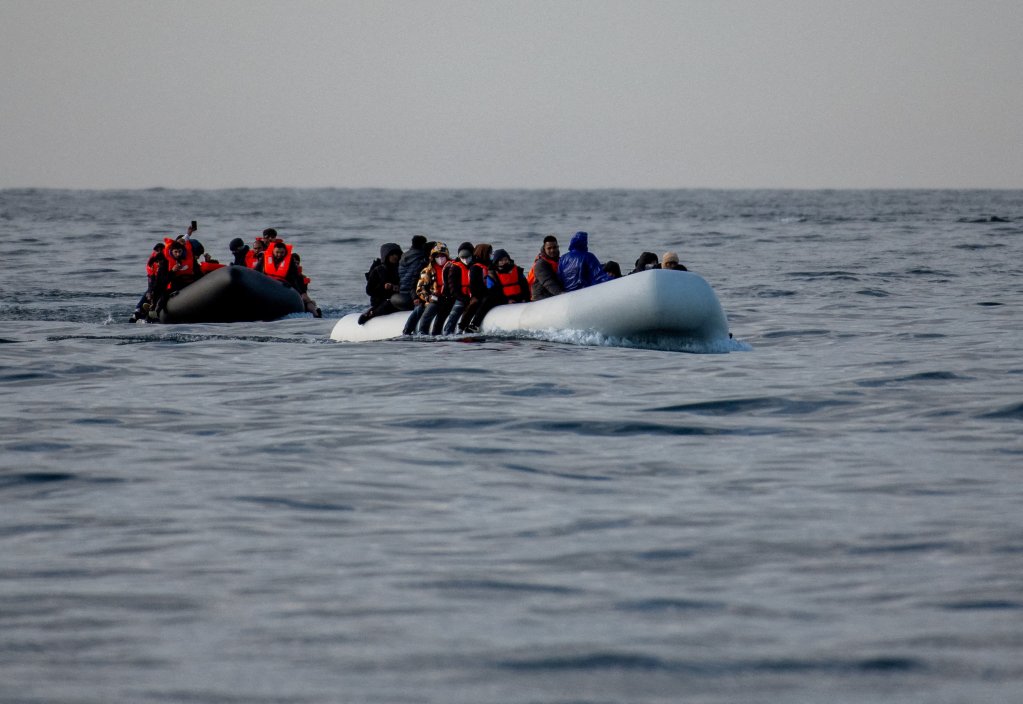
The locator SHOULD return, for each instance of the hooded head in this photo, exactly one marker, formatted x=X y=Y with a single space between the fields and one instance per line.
x=439 y=249
x=482 y=252
x=647 y=260
x=388 y=249
x=236 y=244
x=465 y=249
x=579 y=242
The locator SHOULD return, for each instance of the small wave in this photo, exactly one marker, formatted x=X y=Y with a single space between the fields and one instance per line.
x=983 y=605
x=1014 y=412
x=670 y=605
x=294 y=503
x=873 y=292
x=779 y=406
x=639 y=662
x=496 y=585
x=663 y=343
x=626 y=428
x=838 y=275
x=912 y=379
x=796 y=333
x=34 y=478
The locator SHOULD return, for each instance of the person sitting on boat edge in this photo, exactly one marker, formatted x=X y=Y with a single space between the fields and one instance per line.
x=146 y=301
x=410 y=267
x=646 y=261
x=670 y=261
x=280 y=263
x=543 y=276
x=578 y=267
x=382 y=282
x=175 y=270
x=239 y=251
x=430 y=289
x=256 y=253
x=508 y=285
x=456 y=286
x=479 y=284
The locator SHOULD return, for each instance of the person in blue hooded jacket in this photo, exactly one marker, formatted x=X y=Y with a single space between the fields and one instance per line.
x=578 y=267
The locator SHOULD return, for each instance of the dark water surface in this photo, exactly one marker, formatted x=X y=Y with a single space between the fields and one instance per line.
x=252 y=513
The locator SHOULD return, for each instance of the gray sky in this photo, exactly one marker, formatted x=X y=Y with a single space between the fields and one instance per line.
x=723 y=94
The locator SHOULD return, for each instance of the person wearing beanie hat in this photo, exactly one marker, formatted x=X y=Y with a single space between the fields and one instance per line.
x=456 y=287
x=543 y=276
x=240 y=251
x=670 y=261
x=430 y=290
x=578 y=267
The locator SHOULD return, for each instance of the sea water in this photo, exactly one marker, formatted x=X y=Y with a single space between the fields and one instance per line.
x=832 y=511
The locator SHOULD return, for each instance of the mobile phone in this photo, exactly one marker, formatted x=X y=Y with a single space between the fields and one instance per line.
x=195 y=225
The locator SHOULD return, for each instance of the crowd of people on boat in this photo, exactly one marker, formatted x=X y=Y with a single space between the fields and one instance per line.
x=446 y=294
x=179 y=261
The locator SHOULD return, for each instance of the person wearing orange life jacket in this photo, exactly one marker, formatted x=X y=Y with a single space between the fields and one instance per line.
x=281 y=264
x=508 y=285
x=430 y=289
x=543 y=276
x=174 y=271
x=255 y=254
x=456 y=286
x=146 y=301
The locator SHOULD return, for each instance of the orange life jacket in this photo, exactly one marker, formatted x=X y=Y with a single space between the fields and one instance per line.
x=464 y=274
x=251 y=258
x=207 y=267
x=510 y=282
x=272 y=269
x=438 y=277
x=154 y=257
x=531 y=277
x=187 y=262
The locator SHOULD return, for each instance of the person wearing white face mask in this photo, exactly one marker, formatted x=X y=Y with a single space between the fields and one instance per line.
x=456 y=287
x=430 y=290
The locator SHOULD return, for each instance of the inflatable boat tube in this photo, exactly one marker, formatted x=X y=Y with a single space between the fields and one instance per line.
x=232 y=294
x=656 y=303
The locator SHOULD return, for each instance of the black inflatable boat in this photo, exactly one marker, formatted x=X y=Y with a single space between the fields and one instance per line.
x=232 y=294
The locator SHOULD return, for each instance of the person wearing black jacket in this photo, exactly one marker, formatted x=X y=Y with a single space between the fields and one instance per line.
x=382 y=282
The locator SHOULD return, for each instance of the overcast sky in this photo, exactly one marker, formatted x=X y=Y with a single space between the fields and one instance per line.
x=675 y=94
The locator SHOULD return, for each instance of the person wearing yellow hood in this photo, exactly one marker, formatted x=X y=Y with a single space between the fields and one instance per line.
x=430 y=290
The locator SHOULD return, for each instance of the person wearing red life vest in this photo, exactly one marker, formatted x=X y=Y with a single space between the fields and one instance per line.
x=280 y=263
x=430 y=290
x=479 y=284
x=146 y=301
x=255 y=254
x=508 y=285
x=174 y=271
x=456 y=286
x=543 y=276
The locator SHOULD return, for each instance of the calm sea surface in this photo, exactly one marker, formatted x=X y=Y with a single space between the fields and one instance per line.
x=250 y=513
